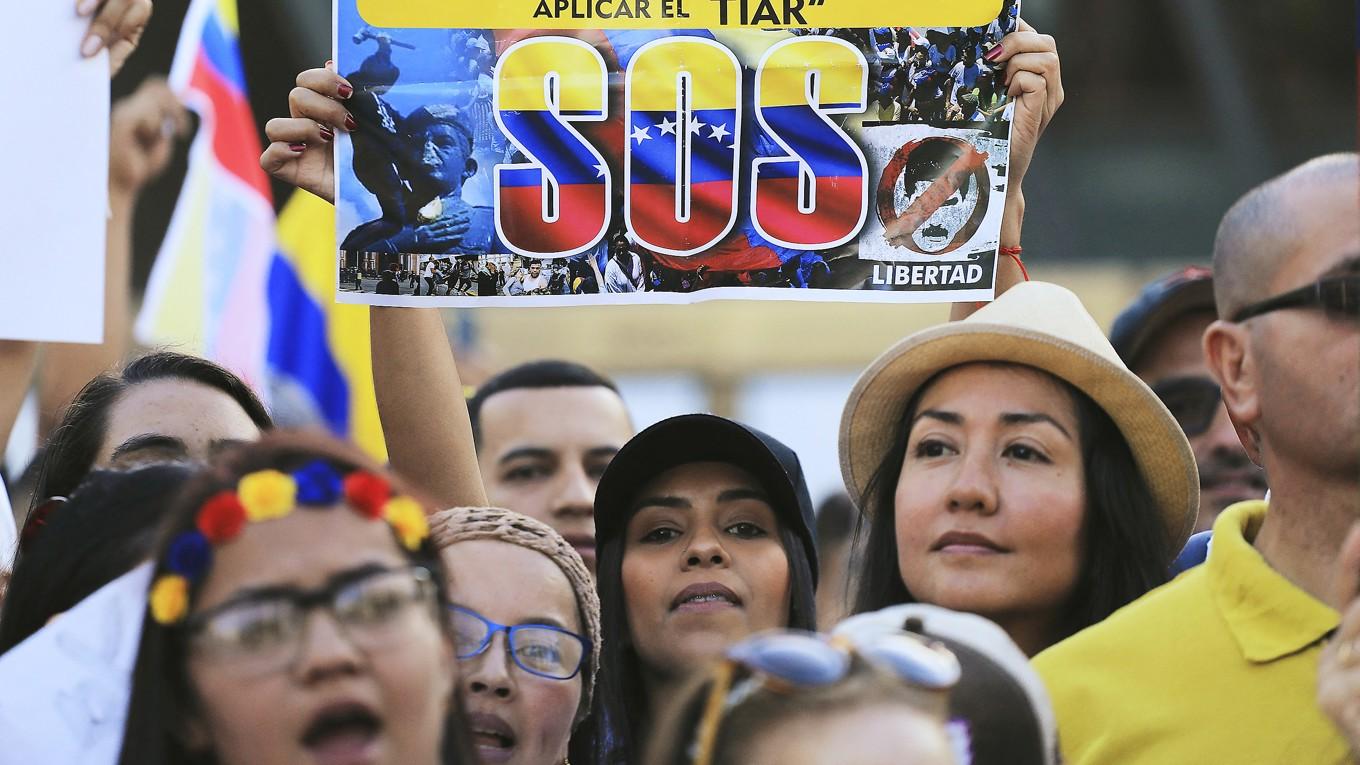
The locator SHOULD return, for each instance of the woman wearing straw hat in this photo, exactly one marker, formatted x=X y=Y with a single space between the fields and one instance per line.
x=526 y=621
x=1011 y=466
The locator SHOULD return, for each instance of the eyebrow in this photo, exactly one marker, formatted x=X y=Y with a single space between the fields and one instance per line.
x=267 y=591
x=148 y=441
x=1007 y=418
x=526 y=452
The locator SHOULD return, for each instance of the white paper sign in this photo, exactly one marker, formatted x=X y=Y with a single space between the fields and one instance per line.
x=53 y=180
x=65 y=688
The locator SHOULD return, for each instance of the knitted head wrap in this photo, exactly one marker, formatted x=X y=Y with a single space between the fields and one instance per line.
x=465 y=524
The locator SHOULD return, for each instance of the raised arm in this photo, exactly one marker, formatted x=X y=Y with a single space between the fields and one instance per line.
x=1033 y=79
x=421 y=404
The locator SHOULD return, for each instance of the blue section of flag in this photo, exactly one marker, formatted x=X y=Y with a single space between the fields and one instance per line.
x=223 y=52
x=298 y=348
x=551 y=144
x=813 y=140
x=653 y=137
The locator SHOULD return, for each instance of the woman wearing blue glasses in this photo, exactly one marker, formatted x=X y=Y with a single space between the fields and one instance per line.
x=526 y=623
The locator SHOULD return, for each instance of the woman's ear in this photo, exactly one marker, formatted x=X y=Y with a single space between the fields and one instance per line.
x=1228 y=354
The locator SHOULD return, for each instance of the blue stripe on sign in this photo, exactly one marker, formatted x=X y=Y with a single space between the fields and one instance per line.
x=298 y=345
x=551 y=144
x=711 y=146
x=821 y=147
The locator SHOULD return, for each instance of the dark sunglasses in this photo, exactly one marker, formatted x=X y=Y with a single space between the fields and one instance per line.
x=1336 y=296
x=1193 y=401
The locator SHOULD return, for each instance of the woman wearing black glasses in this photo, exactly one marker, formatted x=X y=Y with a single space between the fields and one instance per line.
x=297 y=614
x=526 y=624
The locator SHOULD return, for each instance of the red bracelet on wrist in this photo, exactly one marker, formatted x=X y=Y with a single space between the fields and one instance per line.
x=1014 y=254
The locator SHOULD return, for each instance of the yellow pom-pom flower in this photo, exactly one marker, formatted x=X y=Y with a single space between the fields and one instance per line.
x=407 y=518
x=267 y=494
x=169 y=599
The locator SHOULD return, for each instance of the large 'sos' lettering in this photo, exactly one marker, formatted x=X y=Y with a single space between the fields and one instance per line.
x=558 y=202
x=814 y=198
x=682 y=97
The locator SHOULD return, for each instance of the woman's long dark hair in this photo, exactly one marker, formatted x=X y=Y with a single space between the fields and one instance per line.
x=74 y=445
x=614 y=734
x=1127 y=552
x=162 y=701
x=103 y=532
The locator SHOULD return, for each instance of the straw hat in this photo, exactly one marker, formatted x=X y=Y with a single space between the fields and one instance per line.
x=1043 y=326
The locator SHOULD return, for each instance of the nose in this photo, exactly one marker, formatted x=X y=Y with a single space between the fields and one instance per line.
x=705 y=550
x=974 y=486
x=325 y=650
x=576 y=494
x=488 y=673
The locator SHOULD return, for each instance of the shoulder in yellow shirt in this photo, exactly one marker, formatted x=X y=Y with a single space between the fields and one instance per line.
x=1218 y=666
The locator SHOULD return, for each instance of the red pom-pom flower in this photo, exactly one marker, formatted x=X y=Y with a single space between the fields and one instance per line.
x=367 y=493
x=222 y=517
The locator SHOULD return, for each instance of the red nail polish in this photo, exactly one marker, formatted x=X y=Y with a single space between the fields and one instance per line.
x=994 y=53
x=350 y=124
x=345 y=90
x=298 y=147
x=327 y=134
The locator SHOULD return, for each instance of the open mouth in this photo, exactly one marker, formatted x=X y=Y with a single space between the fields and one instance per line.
x=492 y=736
x=342 y=734
x=705 y=597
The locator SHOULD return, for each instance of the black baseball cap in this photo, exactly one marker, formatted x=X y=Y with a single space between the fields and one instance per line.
x=1174 y=295
x=706 y=438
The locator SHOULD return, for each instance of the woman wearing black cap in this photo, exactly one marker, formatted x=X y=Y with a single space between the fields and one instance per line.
x=705 y=534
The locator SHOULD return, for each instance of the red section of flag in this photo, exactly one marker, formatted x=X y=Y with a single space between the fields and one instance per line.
x=235 y=142
x=581 y=217
x=837 y=210
x=653 y=214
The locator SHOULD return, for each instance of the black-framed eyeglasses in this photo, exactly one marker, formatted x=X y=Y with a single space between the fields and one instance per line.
x=261 y=632
x=1336 y=296
x=1192 y=400
x=545 y=650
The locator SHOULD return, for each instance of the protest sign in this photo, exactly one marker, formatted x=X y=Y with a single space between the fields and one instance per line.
x=665 y=151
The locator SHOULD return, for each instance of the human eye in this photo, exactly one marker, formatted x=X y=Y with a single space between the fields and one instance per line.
x=746 y=530
x=1025 y=453
x=251 y=627
x=929 y=448
x=660 y=535
x=526 y=472
x=373 y=601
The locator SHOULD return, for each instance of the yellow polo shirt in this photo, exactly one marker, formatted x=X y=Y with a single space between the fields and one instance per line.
x=1218 y=666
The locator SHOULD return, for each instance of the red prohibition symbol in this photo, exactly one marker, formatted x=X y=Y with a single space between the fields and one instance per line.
x=899 y=226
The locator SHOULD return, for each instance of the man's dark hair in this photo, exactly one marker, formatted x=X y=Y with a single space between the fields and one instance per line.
x=1127 y=553
x=835 y=520
x=103 y=532
x=548 y=373
x=74 y=444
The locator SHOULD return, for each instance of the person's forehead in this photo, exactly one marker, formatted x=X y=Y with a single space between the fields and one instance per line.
x=998 y=386
x=559 y=418
x=283 y=552
x=1175 y=349
x=1329 y=234
x=508 y=583
x=190 y=411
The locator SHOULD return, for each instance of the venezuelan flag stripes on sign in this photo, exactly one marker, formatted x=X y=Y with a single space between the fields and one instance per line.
x=226 y=285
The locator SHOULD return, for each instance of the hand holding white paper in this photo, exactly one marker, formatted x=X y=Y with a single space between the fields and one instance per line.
x=66 y=687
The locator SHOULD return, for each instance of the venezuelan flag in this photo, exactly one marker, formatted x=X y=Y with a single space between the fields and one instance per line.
x=227 y=285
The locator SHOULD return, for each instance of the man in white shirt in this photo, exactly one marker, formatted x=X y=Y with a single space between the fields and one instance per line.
x=532 y=282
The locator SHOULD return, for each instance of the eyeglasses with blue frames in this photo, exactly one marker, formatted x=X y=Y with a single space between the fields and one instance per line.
x=1336 y=296
x=545 y=650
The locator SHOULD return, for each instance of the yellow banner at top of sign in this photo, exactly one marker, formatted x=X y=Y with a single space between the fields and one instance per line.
x=675 y=14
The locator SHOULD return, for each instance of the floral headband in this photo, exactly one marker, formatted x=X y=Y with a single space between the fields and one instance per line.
x=266 y=495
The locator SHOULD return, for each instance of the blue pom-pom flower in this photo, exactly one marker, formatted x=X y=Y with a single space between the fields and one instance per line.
x=190 y=555
x=318 y=484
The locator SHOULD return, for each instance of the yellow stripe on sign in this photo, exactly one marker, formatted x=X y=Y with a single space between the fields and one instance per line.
x=227 y=15
x=654 y=73
x=675 y=14
x=579 y=70
x=783 y=75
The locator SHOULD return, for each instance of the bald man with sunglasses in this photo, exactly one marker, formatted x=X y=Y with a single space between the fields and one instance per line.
x=1242 y=634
